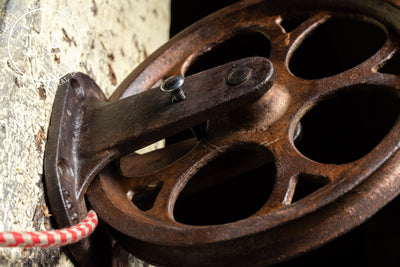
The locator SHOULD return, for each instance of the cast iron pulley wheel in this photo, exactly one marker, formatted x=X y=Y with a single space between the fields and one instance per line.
x=139 y=196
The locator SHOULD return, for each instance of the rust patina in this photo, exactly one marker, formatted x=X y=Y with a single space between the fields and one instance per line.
x=91 y=141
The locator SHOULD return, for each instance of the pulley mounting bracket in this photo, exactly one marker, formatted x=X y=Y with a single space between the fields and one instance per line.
x=87 y=131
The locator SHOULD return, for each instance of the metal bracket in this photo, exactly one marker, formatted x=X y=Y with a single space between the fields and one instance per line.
x=87 y=131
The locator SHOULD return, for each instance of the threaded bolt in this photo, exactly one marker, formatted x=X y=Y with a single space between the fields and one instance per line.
x=173 y=85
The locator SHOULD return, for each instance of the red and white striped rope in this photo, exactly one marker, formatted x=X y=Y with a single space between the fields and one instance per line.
x=51 y=238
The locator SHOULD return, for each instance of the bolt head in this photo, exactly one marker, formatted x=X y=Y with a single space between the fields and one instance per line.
x=238 y=76
x=172 y=83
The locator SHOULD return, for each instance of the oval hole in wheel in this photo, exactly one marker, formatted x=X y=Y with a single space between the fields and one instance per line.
x=347 y=126
x=392 y=66
x=336 y=46
x=293 y=20
x=232 y=187
x=246 y=44
x=307 y=184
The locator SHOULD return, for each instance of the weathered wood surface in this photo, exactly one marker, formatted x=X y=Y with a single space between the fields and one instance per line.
x=115 y=36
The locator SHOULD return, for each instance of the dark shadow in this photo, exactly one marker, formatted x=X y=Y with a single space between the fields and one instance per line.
x=145 y=196
x=347 y=126
x=306 y=185
x=336 y=46
x=184 y=13
x=392 y=66
x=244 y=45
x=292 y=21
x=232 y=187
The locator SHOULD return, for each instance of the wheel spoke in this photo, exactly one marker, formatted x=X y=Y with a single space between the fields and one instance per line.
x=152 y=193
x=288 y=42
x=367 y=165
x=292 y=165
x=136 y=165
x=285 y=178
x=380 y=58
x=272 y=28
x=282 y=193
x=309 y=25
x=175 y=176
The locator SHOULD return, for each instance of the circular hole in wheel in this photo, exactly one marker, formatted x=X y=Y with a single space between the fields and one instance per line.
x=348 y=125
x=234 y=186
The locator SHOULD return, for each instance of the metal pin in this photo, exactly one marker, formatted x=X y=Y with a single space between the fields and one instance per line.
x=173 y=85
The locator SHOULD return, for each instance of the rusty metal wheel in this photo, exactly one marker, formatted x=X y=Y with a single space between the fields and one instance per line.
x=350 y=180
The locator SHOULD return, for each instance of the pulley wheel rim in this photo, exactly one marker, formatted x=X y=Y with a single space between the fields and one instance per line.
x=339 y=200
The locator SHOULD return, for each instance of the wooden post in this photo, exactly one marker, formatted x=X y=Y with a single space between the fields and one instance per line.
x=114 y=36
